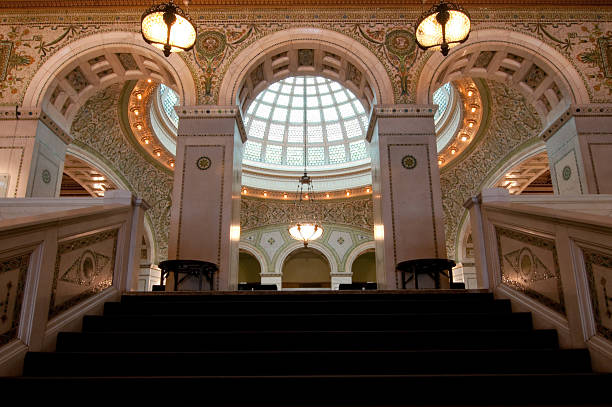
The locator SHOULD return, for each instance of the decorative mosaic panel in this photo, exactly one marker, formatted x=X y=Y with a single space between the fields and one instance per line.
x=529 y=264
x=599 y=272
x=13 y=271
x=83 y=267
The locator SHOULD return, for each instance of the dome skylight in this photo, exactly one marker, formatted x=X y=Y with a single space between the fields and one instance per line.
x=169 y=99
x=336 y=124
x=441 y=97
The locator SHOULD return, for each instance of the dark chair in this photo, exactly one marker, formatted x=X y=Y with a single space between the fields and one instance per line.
x=411 y=269
x=189 y=268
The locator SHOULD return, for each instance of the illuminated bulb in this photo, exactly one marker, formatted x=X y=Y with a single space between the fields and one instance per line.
x=348 y=193
x=244 y=191
x=367 y=190
x=440 y=162
x=149 y=80
x=98 y=178
x=285 y=196
x=470 y=93
x=464 y=137
x=139 y=126
x=265 y=194
x=471 y=124
x=326 y=195
x=99 y=186
x=305 y=196
x=139 y=96
x=158 y=153
x=172 y=164
x=136 y=112
x=145 y=140
x=474 y=107
x=453 y=151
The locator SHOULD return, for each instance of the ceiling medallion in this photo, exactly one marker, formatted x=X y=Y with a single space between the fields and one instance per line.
x=442 y=27
x=167 y=27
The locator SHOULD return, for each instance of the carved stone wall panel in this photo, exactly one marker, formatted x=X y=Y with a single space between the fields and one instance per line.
x=529 y=264
x=13 y=271
x=513 y=123
x=97 y=129
x=599 y=272
x=83 y=267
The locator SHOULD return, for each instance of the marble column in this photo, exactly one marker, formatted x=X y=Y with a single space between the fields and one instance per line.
x=205 y=214
x=408 y=217
x=32 y=153
x=579 y=146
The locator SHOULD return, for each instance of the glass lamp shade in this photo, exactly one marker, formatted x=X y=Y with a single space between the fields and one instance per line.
x=444 y=26
x=167 y=27
x=306 y=232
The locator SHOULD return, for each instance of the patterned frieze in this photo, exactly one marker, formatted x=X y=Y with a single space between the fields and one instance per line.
x=356 y=212
x=84 y=266
x=13 y=271
x=28 y=39
x=529 y=264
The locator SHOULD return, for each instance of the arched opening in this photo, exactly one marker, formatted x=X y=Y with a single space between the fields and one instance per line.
x=249 y=268
x=306 y=268
x=364 y=268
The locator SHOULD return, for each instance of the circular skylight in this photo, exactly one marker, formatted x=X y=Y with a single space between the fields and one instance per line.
x=336 y=124
x=169 y=99
x=441 y=97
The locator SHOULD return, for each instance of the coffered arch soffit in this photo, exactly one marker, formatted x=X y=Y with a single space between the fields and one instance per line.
x=542 y=74
x=306 y=51
x=78 y=71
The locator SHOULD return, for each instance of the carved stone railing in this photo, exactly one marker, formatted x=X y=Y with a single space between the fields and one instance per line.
x=58 y=264
x=551 y=256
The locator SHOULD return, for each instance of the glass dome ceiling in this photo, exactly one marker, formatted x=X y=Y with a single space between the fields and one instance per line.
x=336 y=124
x=169 y=99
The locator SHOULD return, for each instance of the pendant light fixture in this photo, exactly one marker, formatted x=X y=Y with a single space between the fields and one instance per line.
x=442 y=27
x=167 y=27
x=306 y=228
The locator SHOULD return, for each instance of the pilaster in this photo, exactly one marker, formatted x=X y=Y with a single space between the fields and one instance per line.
x=205 y=214
x=579 y=146
x=32 y=153
x=408 y=217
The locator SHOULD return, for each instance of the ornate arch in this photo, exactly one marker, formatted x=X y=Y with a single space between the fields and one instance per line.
x=537 y=70
x=356 y=252
x=329 y=256
x=76 y=72
x=252 y=250
x=306 y=51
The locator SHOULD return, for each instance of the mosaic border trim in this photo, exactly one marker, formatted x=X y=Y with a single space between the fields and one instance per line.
x=21 y=262
x=541 y=242
x=594 y=257
x=75 y=244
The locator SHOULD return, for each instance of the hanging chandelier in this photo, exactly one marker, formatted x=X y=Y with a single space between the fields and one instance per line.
x=306 y=229
x=167 y=27
x=442 y=27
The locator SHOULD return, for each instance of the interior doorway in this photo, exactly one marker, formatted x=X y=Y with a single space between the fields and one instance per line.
x=306 y=268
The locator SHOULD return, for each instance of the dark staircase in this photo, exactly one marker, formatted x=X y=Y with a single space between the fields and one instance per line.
x=311 y=349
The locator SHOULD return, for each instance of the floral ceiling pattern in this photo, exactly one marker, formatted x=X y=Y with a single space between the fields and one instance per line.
x=96 y=128
x=28 y=39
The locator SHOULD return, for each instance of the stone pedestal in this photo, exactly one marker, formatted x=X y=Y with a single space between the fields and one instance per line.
x=408 y=221
x=32 y=154
x=340 y=278
x=579 y=146
x=205 y=214
x=272 y=278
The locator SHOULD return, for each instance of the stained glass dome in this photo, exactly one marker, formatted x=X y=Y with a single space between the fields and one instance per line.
x=442 y=98
x=169 y=99
x=336 y=124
